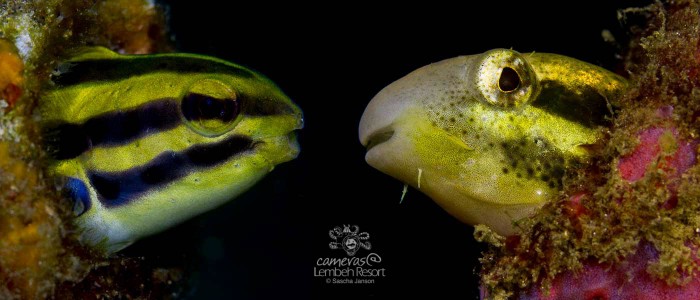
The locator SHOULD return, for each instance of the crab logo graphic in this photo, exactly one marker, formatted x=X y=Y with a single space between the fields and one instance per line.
x=349 y=239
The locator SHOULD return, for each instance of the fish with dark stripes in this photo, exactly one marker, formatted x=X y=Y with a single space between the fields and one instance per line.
x=147 y=141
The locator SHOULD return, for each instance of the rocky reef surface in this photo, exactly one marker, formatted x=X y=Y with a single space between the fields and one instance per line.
x=40 y=257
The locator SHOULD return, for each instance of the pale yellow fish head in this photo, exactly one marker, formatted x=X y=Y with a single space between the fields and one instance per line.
x=488 y=136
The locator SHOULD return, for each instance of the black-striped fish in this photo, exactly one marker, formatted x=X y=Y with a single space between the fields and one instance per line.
x=147 y=141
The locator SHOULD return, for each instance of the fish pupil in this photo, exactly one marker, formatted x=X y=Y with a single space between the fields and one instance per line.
x=202 y=107
x=509 y=80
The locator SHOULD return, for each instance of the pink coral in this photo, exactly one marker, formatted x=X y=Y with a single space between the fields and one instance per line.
x=626 y=280
x=660 y=148
x=652 y=141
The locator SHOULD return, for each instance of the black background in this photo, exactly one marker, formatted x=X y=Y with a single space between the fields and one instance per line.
x=331 y=60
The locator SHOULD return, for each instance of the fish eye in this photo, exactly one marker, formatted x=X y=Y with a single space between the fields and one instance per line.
x=210 y=108
x=505 y=79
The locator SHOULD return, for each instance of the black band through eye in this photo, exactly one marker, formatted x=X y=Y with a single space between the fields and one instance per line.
x=202 y=107
x=509 y=80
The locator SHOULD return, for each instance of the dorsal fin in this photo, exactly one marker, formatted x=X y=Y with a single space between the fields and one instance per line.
x=90 y=53
x=76 y=56
x=93 y=64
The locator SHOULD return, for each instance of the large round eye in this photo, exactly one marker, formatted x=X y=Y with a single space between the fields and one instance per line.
x=210 y=108
x=505 y=79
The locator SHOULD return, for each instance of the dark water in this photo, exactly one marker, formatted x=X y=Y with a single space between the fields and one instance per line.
x=265 y=244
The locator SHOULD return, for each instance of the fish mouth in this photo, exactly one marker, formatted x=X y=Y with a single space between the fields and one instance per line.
x=292 y=140
x=379 y=137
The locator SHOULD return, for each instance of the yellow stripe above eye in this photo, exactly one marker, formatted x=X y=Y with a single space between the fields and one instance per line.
x=140 y=151
x=78 y=103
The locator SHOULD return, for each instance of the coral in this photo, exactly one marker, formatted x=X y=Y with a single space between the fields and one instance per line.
x=631 y=215
x=11 y=78
x=30 y=229
x=626 y=280
x=131 y=26
x=131 y=278
x=40 y=256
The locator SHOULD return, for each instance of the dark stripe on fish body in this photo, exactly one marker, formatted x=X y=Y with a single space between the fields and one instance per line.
x=68 y=140
x=264 y=107
x=586 y=107
x=120 y=188
x=197 y=106
x=122 y=68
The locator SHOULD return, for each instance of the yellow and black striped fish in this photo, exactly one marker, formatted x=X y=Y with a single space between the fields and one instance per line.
x=147 y=141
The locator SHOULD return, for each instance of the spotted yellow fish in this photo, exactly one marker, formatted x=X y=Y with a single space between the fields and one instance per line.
x=489 y=136
x=147 y=141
